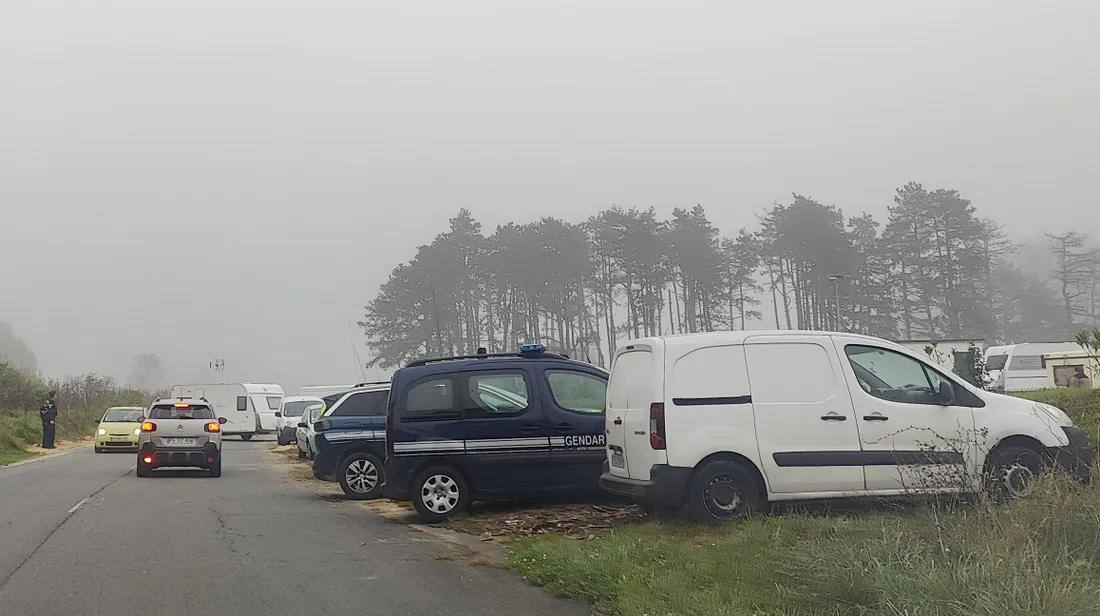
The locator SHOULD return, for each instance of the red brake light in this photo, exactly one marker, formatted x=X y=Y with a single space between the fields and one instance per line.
x=148 y=426
x=213 y=427
x=147 y=459
x=182 y=405
x=657 y=425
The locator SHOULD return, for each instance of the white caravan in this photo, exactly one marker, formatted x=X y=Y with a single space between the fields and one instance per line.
x=249 y=407
x=320 y=391
x=1020 y=367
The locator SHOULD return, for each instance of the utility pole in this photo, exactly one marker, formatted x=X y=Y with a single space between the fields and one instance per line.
x=836 y=278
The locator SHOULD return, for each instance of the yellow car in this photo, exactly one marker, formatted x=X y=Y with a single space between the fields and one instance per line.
x=119 y=429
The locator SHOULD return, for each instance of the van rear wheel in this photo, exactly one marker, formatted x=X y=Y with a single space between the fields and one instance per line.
x=440 y=492
x=722 y=491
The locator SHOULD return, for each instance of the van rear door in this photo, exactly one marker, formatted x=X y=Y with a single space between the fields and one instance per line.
x=636 y=383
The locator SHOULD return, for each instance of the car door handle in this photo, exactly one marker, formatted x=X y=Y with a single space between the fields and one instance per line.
x=834 y=417
x=528 y=428
x=563 y=426
x=875 y=417
x=618 y=421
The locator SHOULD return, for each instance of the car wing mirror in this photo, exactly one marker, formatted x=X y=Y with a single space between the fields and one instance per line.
x=278 y=414
x=222 y=420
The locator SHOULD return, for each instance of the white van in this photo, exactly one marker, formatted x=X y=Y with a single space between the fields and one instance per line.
x=249 y=407
x=726 y=421
x=1020 y=367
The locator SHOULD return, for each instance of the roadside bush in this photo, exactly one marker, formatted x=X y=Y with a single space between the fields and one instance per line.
x=81 y=401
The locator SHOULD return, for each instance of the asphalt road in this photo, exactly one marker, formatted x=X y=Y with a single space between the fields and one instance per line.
x=81 y=535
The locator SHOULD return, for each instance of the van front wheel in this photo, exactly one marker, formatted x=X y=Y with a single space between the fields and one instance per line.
x=440 y=492
x=722 y=491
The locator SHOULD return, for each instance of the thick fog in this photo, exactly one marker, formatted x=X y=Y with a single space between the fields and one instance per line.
x=235 y=179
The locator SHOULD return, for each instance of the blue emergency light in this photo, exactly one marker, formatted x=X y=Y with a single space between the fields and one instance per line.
x=531 y=348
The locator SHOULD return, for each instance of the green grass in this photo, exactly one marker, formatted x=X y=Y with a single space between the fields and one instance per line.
x=20 y=429
x=1039 y=556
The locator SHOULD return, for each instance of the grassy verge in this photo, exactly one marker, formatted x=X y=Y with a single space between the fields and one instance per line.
x=20 y=429
x=1038 y=556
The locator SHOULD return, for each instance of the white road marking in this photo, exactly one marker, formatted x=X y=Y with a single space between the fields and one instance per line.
x=78 y=505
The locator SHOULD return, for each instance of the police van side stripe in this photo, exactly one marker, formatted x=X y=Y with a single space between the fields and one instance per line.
x=508 y=443
x=429 y=446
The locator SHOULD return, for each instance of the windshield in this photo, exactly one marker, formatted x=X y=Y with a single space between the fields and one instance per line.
x=188 y=412
x=996 y=362
x=295 y=409
x=124 y=415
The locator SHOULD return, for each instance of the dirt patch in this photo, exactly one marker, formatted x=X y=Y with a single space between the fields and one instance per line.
x=575 y=520
x=285 y=461
x=61 y=446
x=391 y=510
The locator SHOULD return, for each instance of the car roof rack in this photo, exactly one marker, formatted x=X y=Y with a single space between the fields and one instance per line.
x=370 y=383
x=526 y=351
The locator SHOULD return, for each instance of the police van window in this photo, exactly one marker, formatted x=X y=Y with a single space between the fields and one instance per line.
x=242 y=403
x=496 y=394
x=430 y=399
x=361 y=404
x=577 y=391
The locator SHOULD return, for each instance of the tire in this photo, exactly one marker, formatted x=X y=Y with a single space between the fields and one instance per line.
x=722 y=491
x=246 y=437
x=98 y=449
x=142 y=471
x=440 y=492
x=361 y=476
x=216 y=469
x=301 y=454
x=1013 y=472
x=280 y=439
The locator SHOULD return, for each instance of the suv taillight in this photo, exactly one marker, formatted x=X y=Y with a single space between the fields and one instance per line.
x=148 y=426
x=657 y=425
x=212 y=426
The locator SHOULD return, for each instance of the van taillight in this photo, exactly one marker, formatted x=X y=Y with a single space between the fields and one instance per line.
x=391 y=429
x=657 y=425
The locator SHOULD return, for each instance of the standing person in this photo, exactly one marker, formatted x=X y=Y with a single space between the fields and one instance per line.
x=49 y=419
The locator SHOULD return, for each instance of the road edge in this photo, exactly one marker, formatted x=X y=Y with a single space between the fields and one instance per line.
x=42 y=457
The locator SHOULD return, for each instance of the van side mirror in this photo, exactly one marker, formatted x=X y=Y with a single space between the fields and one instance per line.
x=222 y=420
x=301 y=424
x=946 y=394
x=278 y=414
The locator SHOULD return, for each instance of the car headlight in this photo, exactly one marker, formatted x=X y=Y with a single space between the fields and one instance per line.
x=102 y=431
x=137 y=431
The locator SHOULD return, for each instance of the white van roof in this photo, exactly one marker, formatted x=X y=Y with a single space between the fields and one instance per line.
x=679 y=341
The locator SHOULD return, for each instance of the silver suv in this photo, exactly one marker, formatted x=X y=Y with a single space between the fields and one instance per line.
x=180 y=432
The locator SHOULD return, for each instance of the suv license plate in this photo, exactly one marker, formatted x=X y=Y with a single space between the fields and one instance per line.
x=179 y=441
x=617 y=459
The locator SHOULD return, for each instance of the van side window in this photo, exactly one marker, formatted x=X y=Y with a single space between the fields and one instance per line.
x=430 y=399
x=577 y=391
x=361 y=404
x=242 y=403
x=892 y=376
x=499 y=393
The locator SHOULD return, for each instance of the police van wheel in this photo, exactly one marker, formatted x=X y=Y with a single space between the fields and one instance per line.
x=440 y=492
x=360 y=476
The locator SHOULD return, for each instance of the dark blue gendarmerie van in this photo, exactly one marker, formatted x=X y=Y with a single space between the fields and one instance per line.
x=351 y=440
x=478 y=427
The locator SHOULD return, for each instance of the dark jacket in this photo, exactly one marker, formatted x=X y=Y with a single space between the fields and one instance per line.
x=48 y=411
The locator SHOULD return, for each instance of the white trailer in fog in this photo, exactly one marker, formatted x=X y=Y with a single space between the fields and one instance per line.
x=249 y=408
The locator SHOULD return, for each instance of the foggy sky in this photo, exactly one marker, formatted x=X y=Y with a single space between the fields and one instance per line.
x=235 y=179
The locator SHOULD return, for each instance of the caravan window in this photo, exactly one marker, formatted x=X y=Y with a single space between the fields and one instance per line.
x=996 y=362
x=273 y=402
x=1026 y=362
x=242 y=403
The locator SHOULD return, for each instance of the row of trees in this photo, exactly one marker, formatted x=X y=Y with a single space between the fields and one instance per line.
x=934 y=269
